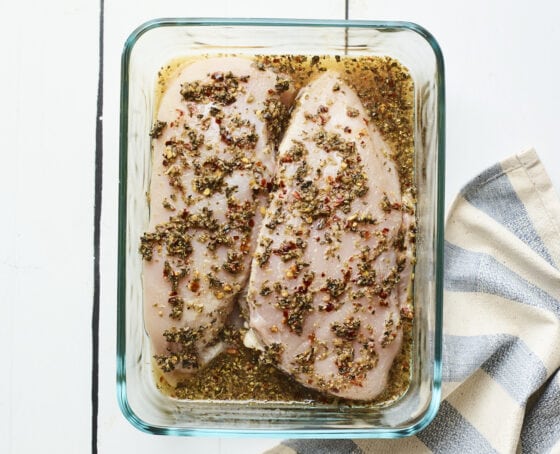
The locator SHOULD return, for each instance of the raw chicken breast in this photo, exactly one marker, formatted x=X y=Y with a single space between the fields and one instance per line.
x=333 y=264
x=214 y=143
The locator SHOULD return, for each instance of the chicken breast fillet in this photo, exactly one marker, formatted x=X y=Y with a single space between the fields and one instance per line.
x=213 y=161
x=333 y=261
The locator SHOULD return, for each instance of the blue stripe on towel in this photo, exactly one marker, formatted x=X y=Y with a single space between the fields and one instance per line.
x=450 y=432
x=323 y=446
x=463 y=355
x=467 y=271
x=492 y=193
x=506 y=358
x=541 y=428
x=516 y=368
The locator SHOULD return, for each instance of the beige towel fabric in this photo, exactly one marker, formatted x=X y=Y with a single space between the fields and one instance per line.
x=501 y=347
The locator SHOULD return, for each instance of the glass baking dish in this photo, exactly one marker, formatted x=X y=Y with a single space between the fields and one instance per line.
x=157 y=42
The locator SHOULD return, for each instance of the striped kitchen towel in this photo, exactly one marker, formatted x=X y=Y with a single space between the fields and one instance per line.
x=501 y=348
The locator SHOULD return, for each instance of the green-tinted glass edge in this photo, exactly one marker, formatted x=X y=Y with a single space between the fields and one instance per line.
x=121 y=263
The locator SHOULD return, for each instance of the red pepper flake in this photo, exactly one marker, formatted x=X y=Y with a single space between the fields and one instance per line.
x=285 y=247
x=194 y=286
x=297 y=196
x=385 y=231
x=180 y=112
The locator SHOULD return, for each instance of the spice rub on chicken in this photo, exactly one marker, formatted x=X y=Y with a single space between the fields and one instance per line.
x=329 y=281
x=214 y=142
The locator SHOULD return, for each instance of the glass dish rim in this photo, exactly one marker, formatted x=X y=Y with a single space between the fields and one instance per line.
x=330 y=433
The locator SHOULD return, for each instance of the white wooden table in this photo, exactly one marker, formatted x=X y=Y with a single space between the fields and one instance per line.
x=502 y=69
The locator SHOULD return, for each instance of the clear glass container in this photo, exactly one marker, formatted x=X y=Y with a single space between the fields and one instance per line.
x=157 y=42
